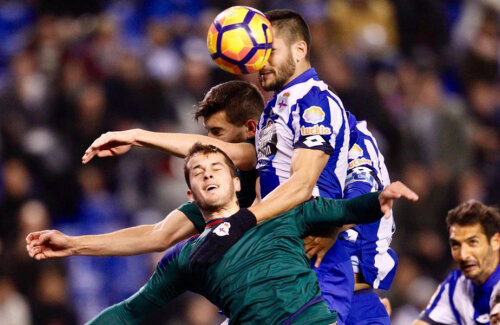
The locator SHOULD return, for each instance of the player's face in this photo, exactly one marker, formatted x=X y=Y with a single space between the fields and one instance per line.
x=280 y=67
x=476 y=256
x=495 y=315
x=219 y=127
x=212 y=186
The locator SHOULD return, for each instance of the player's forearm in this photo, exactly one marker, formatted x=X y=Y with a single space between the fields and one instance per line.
x=178 y=144
x=359 y=210
x=285 y=197
x=129 y=241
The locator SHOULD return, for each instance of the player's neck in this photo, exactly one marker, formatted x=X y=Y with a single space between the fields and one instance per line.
x=223 y=212
x=301 y=67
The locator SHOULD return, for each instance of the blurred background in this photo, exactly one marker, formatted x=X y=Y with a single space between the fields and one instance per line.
x=423 y=73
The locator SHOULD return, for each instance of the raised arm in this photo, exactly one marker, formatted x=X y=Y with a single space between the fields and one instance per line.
x=130 y=241
x=178 y=144
x=305 y=169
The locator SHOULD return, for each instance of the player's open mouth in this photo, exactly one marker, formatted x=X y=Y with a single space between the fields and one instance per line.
x=211 y=187
x=468 y=267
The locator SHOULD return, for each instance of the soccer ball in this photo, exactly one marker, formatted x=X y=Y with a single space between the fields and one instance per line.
x=240 y=40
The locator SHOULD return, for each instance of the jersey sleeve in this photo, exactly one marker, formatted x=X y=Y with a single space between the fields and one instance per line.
x=194 y=215
x=440 y=310
x=320 y=212
x=165 y=284
x=319 y=121
x=361 y=180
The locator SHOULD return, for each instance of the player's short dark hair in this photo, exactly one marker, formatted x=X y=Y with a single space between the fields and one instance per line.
x=472 y=212
x=205 y=149
x=241 y=100
x=291 y=26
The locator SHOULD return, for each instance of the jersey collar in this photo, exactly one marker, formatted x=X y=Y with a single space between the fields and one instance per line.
x=214 y=222
x=306 y=75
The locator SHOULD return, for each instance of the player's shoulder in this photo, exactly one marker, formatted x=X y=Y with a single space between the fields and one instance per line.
x=173 y=253
x=454 y=277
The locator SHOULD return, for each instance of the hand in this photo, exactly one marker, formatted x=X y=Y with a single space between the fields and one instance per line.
x=394 y=191
x=222 y=237
x=110 y=144
x=318 y=246
x=48 y=243
x=387 y=304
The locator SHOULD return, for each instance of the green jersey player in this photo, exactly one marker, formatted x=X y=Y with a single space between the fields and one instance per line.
x=265 y=278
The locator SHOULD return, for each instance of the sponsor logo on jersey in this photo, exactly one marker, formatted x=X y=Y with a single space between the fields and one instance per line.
x=315 y=130
x=267 y=141
x=359 y=162
x=313 y=141
x=222 y=229
x=355 y=152
x=314 y=115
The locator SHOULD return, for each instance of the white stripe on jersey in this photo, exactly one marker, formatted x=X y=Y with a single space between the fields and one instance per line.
x=383 y=260
x=442 y=309
x=337 y=116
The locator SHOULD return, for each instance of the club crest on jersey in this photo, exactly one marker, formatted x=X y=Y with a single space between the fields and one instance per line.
x=283 y=101
x=314 y=115
x=222 y=229
x=355 y=152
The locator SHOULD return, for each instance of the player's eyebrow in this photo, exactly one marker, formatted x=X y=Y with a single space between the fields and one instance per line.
x=454 y=241
x=218 y=163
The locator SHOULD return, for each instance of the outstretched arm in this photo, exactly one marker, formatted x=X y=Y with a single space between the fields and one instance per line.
x=178 y=144
x=130 y=241
x=359 y=210
x=166 y=283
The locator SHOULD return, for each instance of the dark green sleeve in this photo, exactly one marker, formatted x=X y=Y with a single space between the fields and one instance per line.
x=320 y=212
x=165 y=284
x=193 y=213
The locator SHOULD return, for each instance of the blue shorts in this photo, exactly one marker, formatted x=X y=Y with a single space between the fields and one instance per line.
x=367 y=309
x=336 y=280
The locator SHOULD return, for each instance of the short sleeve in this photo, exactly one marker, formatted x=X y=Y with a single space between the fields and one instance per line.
x=439 y=310
x=319 y=121
x=193 y=213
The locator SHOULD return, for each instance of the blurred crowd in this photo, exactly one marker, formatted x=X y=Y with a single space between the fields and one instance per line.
x=423 y=73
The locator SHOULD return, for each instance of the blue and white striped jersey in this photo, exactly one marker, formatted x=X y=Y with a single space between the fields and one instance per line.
x=368 y=245
x=459 y=301
x=304 y=114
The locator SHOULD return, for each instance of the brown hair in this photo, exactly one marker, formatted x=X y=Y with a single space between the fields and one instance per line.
x=472 y=212
x=205 y=149
x=291 y=25
x=240 y=100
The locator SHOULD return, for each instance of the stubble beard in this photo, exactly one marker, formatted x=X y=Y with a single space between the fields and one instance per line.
x=283 y=74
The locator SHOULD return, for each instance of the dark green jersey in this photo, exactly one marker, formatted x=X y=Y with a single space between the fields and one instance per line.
x=245 y=197
x=265 y=278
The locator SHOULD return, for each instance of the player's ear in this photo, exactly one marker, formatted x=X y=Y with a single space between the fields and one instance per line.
x=299 y=51
x=495 y=241
x=190 y=196
x=251 y=128
x=237 y=184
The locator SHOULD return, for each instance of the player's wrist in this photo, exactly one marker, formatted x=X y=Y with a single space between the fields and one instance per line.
x=138 y=136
